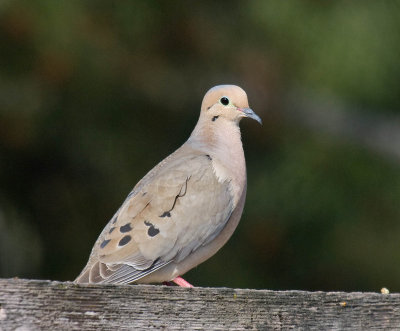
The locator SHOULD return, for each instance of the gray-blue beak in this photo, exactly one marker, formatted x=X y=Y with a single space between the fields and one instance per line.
x=251 y=114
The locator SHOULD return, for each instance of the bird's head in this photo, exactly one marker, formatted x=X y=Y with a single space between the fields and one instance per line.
x=227 y=102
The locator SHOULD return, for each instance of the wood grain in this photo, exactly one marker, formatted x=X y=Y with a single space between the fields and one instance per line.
x=46 y=305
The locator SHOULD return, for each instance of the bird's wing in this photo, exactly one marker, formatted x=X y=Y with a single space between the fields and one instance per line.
x=176 y=208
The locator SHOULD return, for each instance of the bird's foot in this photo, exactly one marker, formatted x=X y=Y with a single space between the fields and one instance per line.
x=181 y=282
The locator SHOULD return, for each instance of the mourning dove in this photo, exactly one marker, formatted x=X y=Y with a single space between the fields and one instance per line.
x=186 y=208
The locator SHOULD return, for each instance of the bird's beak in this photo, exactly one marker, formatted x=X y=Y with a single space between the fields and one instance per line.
x=250 y=114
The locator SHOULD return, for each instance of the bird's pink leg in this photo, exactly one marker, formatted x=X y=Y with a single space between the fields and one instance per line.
x=181 y=282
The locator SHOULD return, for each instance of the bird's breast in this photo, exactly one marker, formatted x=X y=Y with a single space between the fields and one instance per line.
x=235 y=176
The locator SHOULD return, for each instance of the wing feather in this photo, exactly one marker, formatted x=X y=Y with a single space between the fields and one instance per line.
x=176 y=208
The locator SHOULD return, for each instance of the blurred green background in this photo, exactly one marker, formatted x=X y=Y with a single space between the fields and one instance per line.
x=94 y=93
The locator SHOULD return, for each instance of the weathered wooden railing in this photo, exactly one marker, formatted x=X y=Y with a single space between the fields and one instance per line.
x=44 y=305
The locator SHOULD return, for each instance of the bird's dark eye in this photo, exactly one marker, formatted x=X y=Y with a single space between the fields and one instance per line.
x=224 y=101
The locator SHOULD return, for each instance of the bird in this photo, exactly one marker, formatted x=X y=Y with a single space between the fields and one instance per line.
x=184 y=209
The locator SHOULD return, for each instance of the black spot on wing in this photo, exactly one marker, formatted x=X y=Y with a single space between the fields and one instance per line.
x=104 y=243
x=125 y=228
x=209 y=157
x=152 y=231
x=124 y=240
x=214 y=118
x=111 y=230
x=166 y=214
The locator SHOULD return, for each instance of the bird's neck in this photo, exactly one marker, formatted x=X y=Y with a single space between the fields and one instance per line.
x=222 y=142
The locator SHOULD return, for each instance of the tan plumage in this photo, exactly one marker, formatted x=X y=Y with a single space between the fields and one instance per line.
x=185 y=208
